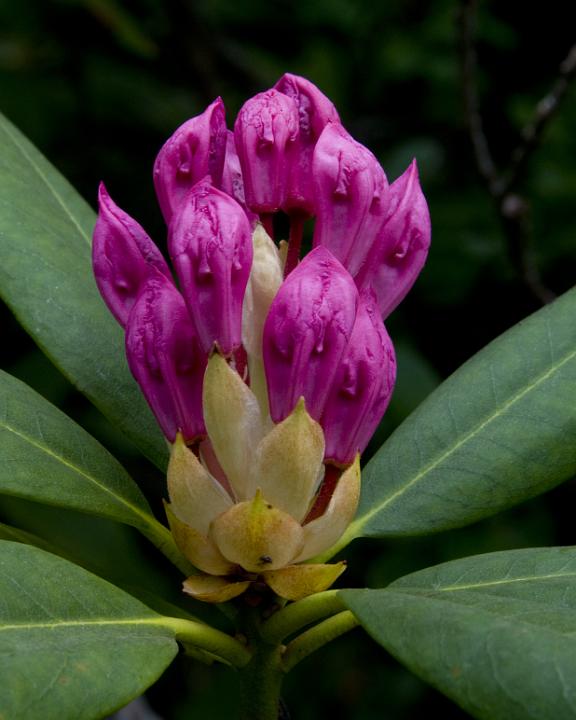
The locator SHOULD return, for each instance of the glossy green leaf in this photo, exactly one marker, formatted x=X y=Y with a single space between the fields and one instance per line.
x=46 y=278
x=500 y=430
x=71 y=644
x=46 y=457
x=495 y=632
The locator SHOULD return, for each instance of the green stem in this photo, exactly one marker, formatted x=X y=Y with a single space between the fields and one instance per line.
x=260 y=684
x=161 y=537
x=299 y=614
x=199 y=636
x=316 y=637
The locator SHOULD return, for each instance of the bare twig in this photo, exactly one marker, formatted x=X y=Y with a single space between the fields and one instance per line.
x=544 y=111
x=513 y=209
x=469 y=63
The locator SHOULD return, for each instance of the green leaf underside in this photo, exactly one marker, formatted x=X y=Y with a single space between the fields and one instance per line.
x=500 y=430
x=46 y=279
x=48 y=458
x=496 y=632
x=8 y=532
x=71 y=644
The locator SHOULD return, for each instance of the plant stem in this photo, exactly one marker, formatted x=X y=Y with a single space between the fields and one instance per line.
x=267 y=219
x=162 y=538
x=206 y=638
x=260 y=684
x=299 y=614
x=295 y=242
x=316 y=637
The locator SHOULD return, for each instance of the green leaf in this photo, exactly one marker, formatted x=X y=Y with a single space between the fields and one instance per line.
x=500 y=430
x=71 y=644
x=495 y=632
x=46 y=278
x=48 y=458
x=74 y=646
x=8 y=532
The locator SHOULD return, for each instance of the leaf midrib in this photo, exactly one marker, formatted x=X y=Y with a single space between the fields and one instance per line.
x=83 y=623
x=516 y=620
x=486 y=584
x=356 y=527
x=6 y=127
x=141 y=514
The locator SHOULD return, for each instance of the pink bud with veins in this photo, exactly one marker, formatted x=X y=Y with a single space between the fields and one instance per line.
x=401 y=246
x=165 y=358
x=210 y=244
x=122 y=256
x=362 y=387
x=266 y=126
x=349 y=183
x=195 y=150
x=306 y=331
x=315 y=111
x=232 y=182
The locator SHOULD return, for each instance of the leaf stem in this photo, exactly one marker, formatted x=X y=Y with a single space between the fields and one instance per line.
x=203 y=637
x=161 y=537
x=295 y=241
x=316 y=637
x=297 y=615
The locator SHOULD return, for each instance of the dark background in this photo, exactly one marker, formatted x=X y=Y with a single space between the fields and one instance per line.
x=98 y=85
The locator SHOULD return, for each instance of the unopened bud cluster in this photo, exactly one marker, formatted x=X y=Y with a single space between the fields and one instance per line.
x=268 y=373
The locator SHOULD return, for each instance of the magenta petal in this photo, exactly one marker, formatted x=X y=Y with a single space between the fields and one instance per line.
x=266 y=125
x=306 y=331
x=401 y=247
x=362 y=387
x=372 y=222
x=195 y=150
x=349 y=183
x=315 y=111
x=232 y=182
x=122 y=255
x=165 y=358
x=210 y=243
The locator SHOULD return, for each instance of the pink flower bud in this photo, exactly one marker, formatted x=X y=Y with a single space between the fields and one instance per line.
x=165 y=358
x=122 y=255
x=266 y=125
x=349 y=184
x=195 y=150
x=400 y=249
x=315 y=111
x=307 y=330
x=211 y=246
x=232 y=182
x=362 y=387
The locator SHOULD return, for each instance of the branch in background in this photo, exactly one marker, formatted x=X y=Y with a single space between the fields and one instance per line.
x=469 y=65
x=543 y=113
x=513 y=209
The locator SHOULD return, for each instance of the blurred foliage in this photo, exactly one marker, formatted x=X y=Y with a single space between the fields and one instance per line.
x=99 y=85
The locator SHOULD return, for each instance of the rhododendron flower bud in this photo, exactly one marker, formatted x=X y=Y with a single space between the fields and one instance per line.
x=232 y=183
x=122 y=256
x=265 y=127
x=211 y=246
x=315 y=111
x=401 y=247
x=348 y=182
x=164 y=357
x=195 y=150
x=253 y=528
x=362 y=387
x=307 y=330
